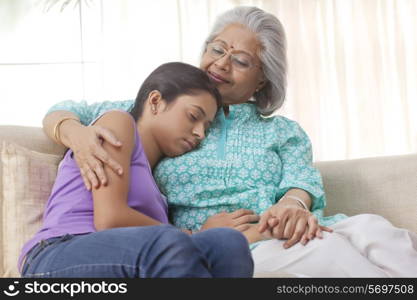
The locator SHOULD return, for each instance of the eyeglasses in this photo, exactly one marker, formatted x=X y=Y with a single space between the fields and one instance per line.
x=240 y=60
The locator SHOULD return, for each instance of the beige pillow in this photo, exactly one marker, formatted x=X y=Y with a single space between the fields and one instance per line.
x=28 y=177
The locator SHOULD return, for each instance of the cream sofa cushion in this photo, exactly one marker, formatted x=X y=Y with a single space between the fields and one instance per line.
x=28 y=177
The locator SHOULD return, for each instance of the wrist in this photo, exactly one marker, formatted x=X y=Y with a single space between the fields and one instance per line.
x=187 y=231
x=67 y=129
x=253 y=235
x=292 y=200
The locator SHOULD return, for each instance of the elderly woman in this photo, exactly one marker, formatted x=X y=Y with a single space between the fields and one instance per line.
x=251 y=164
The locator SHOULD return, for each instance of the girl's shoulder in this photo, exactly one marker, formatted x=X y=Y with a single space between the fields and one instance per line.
x=113 y=115
x=121 y=124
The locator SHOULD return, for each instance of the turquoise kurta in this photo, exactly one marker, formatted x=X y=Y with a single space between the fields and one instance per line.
x=246 y=161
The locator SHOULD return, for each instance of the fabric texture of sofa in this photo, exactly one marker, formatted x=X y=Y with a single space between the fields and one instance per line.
x=385 y=186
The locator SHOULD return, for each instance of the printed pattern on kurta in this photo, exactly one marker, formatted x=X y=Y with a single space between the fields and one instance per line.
x=246 y=161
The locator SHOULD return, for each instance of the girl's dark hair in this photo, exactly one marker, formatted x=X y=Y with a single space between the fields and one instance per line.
x=172 y=80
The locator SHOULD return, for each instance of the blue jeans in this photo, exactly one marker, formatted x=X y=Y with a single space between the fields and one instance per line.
x=149 y=251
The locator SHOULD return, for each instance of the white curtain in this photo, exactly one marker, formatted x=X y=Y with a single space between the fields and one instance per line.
x=353 y=74
x=352 y=63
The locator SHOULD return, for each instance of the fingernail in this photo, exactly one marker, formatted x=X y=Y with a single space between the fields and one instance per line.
x=120 y=171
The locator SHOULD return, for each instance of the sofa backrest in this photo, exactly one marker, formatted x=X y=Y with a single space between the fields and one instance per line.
x=385 y=186
x=32 y=138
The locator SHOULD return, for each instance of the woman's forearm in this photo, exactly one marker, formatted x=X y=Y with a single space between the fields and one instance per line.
x=65 y=128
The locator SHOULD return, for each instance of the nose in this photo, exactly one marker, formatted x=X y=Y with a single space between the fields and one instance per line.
x=199 y=132
x=223 y=62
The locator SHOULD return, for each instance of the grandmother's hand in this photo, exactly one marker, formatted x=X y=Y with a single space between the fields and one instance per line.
x=291 y=222
x=240 y=219
x=86 y=143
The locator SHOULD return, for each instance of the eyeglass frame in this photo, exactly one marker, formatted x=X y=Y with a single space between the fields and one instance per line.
x=229 y=52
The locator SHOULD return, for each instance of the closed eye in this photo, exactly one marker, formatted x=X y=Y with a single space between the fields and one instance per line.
x=241 y=63
x=218 y=51
x=192 y=117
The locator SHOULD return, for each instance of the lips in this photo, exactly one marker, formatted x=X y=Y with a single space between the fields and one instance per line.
x=189 y=144
x=217 y=78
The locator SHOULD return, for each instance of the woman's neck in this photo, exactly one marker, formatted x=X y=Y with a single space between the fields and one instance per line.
x=226 y=110
x=226 y=107
x=149 y=144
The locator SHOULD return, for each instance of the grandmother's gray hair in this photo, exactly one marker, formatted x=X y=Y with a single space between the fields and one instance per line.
x=271 y=35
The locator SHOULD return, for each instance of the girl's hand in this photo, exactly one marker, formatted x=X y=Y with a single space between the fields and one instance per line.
x=291 y=222
x=86 y=143
x=240 y=219
x=253 y=235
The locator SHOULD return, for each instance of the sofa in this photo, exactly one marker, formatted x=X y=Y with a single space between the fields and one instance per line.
x=381 y=185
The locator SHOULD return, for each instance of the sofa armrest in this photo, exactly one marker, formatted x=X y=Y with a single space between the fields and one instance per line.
x=386 y=186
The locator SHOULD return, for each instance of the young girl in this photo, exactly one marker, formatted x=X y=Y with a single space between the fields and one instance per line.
x=121 y=229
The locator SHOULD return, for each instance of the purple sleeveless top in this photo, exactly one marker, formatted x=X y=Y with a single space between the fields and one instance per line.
x=70 y=206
